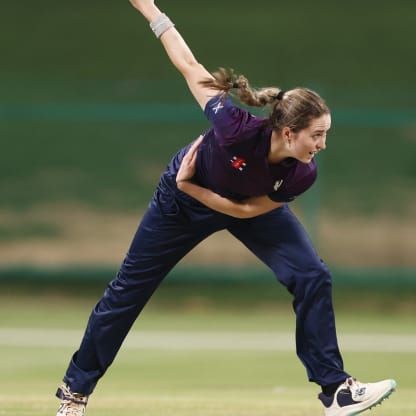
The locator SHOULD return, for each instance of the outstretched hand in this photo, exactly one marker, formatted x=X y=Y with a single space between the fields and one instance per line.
x=187 y=169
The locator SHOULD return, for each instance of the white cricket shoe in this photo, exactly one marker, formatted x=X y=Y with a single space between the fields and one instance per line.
x=72 y=404
x=353 y=397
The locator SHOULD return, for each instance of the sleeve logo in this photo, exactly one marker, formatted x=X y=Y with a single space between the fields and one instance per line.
x=217 y=108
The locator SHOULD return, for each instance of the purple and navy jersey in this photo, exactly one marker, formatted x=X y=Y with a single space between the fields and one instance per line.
x=233 y=157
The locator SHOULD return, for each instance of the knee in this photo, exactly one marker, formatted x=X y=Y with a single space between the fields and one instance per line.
x=311 y=280
x=315 y=282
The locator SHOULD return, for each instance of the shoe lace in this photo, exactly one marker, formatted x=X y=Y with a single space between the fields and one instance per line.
x=357 y=389
x=72 y=404
x=352 y=383
x=70 y=408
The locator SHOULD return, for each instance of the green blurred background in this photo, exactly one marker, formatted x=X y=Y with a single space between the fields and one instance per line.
x=91 y=110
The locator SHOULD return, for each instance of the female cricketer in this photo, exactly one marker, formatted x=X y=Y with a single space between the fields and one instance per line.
x=238 y=176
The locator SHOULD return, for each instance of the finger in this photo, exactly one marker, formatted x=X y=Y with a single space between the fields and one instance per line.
x=194 y=147
x=196 y=143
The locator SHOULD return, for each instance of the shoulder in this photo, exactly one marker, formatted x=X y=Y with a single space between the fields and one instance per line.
x=221 y=104
x=231 y=123
x=308 y=169
x=305 y=173
x=300 y=179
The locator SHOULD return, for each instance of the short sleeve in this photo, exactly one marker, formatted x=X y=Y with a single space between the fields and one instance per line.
x=281 y=197
x=294 y=189
x=228 y=120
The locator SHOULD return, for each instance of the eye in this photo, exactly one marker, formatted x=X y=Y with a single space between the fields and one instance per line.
x=317 y=136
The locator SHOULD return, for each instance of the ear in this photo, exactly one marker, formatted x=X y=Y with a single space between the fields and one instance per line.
x=286 y=132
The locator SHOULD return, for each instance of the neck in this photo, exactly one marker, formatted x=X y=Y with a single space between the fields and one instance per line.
x=278 y=149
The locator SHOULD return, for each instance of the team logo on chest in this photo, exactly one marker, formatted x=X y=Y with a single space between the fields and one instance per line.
x=238 y=163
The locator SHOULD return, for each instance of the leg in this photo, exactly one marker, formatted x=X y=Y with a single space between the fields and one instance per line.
x=280 y=241
x=166 y=233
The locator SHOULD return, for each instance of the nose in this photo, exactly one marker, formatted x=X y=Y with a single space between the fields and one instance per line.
x=322 y=144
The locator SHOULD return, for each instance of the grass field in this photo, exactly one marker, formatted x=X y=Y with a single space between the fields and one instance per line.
x=192 y=356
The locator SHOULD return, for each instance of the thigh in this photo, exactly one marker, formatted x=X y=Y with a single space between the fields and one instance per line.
x=280 y=241
x=168 y=231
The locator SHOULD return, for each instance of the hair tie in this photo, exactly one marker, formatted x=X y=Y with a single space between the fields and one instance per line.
x=280 y=95
x=235 y=85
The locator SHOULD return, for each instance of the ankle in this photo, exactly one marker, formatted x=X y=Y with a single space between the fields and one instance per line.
x=330 y=389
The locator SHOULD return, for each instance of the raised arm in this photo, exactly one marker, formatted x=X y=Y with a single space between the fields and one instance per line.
x=178 y=51
x=247 y=208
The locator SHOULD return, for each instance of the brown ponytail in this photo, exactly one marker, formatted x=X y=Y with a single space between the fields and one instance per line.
x=294 y=108
x=225 y=79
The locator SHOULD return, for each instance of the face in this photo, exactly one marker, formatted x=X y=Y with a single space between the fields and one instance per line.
x=305 y=144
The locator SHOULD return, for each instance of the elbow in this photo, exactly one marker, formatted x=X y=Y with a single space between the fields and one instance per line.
x=193 y=64
x=190 y=67
x=248 y=210
x=244 y=212
x=242 y=216
x=245 y=216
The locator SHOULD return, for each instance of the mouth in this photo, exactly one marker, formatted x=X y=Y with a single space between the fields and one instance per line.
x=314 y=153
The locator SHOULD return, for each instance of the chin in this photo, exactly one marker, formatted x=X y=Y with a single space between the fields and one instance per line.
x=306 y=159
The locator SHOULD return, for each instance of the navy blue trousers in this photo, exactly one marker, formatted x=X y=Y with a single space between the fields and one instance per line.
x=174 y=224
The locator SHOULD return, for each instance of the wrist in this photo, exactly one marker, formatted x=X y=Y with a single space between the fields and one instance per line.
x=186 y=186
x=160 y=24
x=151 y=12
x=181 y=184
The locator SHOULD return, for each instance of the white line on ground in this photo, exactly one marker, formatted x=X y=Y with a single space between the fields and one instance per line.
x=206 y=340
